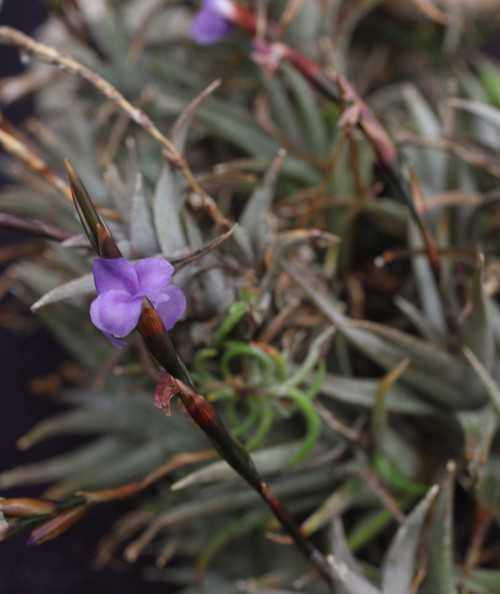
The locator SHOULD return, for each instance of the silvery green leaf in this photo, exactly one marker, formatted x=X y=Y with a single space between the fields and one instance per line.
x=421 y=322
x=478 y=336
x=82 y=154
x=79 y=287
x=167 y=205
x=60 y=466
x=362 y=393
x=430 y=299
x=487 y=491
x=477 y=328
x=483 y=128
x=398 y=568
x=236 y=125
x=268 y=461
x=119 y=196
x=243 y=241
x=129 y=417
x=440 y=575
x=440 y=390
x=489 y=383
x=255 y=219
x=132 y=465
x=494 y=311
x=142 y=233
x=348 y=576
x=479 y=428
x=74 y=333
x=434 y=163
x=218 y=290
x=252 y=588
x=283 y=112
x=303 y=29
x=192 y=233
x=423 y=355
x=313 y=125
x=484 y=110
x=399 y=461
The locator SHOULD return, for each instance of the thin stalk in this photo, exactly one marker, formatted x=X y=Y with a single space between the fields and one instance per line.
x=159 y=345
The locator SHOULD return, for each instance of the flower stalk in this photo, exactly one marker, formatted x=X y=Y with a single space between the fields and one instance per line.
x=154 y=334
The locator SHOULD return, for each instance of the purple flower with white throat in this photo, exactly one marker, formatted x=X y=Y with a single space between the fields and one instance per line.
x=213 y=21
x=121 y=287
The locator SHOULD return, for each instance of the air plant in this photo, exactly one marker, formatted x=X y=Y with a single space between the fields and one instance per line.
x=314 y=274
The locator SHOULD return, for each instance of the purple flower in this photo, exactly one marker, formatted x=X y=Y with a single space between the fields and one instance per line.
x=213 y=21
x=121 y=287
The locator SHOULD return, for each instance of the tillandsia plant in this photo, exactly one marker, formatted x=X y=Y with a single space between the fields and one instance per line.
x=290 y=214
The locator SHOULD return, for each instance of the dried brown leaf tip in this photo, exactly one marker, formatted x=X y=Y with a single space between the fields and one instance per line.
x=166 y=389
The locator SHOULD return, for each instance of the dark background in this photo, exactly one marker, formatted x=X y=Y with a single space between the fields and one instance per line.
x=63 y=565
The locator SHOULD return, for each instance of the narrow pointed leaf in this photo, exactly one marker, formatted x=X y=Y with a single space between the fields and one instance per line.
x=349 y=578
x=440 y=576
x=61 y=466
x=166 y=213
x=362 y=393
x=399 y=564
x=479 y=428
x=79 y=287
x=489 y=383
x=255 y=219
x=430 y=299
x=142 y=233
x=307 y=107
x=268 y=461
x=488 y=112
x=478 y=334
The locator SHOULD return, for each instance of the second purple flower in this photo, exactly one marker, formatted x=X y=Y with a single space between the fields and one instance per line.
x=213 y=21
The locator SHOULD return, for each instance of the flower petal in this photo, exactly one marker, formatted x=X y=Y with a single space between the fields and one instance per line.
x=208 y=25
x=116 y=312
x=154 y=274
x=170 y=304
x=118 y=343
x=115 y=274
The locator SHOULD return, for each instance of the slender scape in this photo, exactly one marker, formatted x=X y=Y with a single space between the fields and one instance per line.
x=159 y=345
